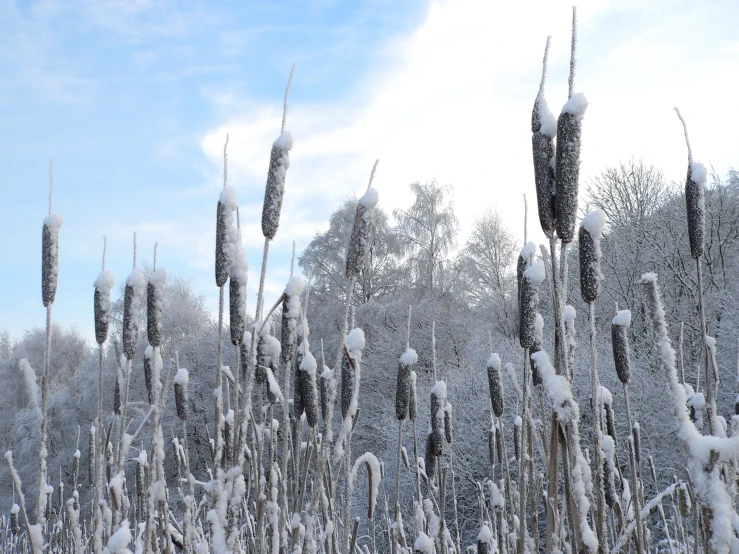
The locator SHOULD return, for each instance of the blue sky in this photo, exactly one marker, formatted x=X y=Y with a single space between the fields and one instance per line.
x=133 y=99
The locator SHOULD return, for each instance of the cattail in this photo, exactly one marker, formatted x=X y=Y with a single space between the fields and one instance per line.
x=14 y=527
x=132 y=300
x=495 y=382
x=620 y=342
x=76 y=465
x=484 y=540
x=525 y=259
x=180 y=392
x=636 y=430
x=148 y=379
x=310 y=394
x=569 y=130
x=228 y=433
x=328 y=390
x=609 y=470
x=610 y=422
x=238 y=270
x=499 y=446
x=448 y=431
x=438 y=399
x=536 y=347
x=591 y=228
x=491 y=445
x=694 y=199
x=117 y=404
x=154 y=305
x=347 y=384
x=102 y=285
x=736 y=405
x=403 y=388
x=429 y=459
x=290 y=314
x=91 y=455
x=141 y=464
x=268 y=350
x=544 y=129
x=50 y=257
x=362 y=229
x=683 y=498
x=279 y=162
x=517 y=437
x=298 y=403
x=413 y=398
x=528 y=301
x=245 y=348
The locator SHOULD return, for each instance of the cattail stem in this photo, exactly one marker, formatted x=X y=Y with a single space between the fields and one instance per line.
x=397 y=472
x=573 y=49
x=42 y=474
x=634 y=477
x=600 y=507
x=710 y=379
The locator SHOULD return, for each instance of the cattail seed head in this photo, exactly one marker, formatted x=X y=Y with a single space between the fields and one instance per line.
x=499 y=446
x=567 y=165
x=361 y=232
x=132 y=300
x=14 y=527
x=609 y=470
x=610 y=422
x=245 y=350
x=620 y=342
x=141 y=465
x=636 y=431
x=228 y=432
x=298 y=401
x=430 y=458
x=591 y=229
x=117 y=395
x=413 y=398
x=495 y=382
x=290 y=315
x=448 y=430
x=328 y=391
x=223 y=215
x=736 y=405
x=536 y=379
x=279 y=162
x=50 y=257
x=695 y=205
x=438 y=400
x=525 y=259
x=491 y=445
x=528 y=301
x=181 y=380
x=155 y=305
x=517 y=437
x=683 y=497
x=403 y=386
x=544 y=129
x=347 y=384
x=237 y=309
x=268 y=353
x=148 y=378
x=102 y=285
x=310 y=393
x=484 y=540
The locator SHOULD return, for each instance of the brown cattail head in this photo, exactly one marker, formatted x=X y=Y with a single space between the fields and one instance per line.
x=361 y=232
x=180 y=392
x=683 y=497
x=484 y=540
x=154 y=305
x=528 y=301
x=245 y=350
x=413 y=398
x=228 y=433
x=620 y=341
x=609 y=470
x=495 y=382
x=567 y=165
x=117 y=403
x=328 y=392
x=132 y=300
x=50 y=257
x=308 y=367
x=610 y=422
x=279 y=162
x=438 y=400
x=591 y=229
x=268 y=353
x=517 y=437
x=695 y=204
x=536 y=379
x=223 y=221
x=448 y=430
x=636 y=431
x=102 y=285
x=290 y=315
x=491 y=445
x=525 y=259
x=499 y=446
x=148 y=375
x=403 y=387
x=14 y=527
x=298 y=402
x=347 y=384
x=429 y=459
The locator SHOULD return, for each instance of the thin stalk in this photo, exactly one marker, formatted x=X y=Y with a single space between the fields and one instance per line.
x=634 y=477
x=600 y=506
x=710 y=376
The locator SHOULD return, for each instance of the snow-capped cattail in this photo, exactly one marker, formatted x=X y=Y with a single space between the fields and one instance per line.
x=148 y=361
x=544 y=129
x=683 y=498
x=132 y=300
x=403 y=387
x=413 y=398
x=736 y=405
x=180 y=392
x=694 y=199
x=290 y=315
x=141 y=464
x=238 y=271
x=591 y=229
x=484 y=540
x=362 y=229
x=310 y=394
x=228 y=433
x=636 y=431
x=528 y=301
x=448 y=430
x=438 y=399
x=50 y=256
x=525 y=259
x=491 y=445
x=224 y=216
x=154 y=305
x=429 y=459
x=536 y=379
x=499 y=446
x=268 y=351
x=347 y=384
x=620 y=342
x=495 y=382
x=609 y=470
x=14 y=527
x=245 y=348
x=610 y=421
x=517 y=437
x=102 y=285
x=328 y=390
